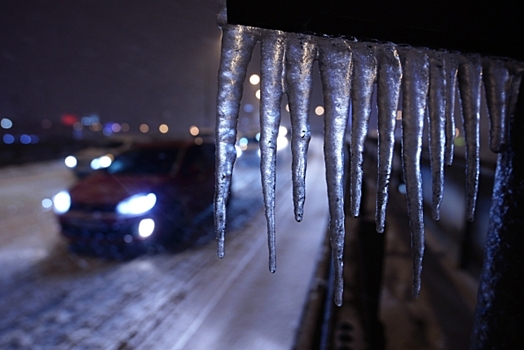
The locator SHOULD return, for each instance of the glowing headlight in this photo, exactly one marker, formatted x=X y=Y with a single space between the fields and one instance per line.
x=95 y=164
x=70 y=161
x=137 y=204
x=61 y=202
x=146 y=228
x=102 y=162
x=105 y=161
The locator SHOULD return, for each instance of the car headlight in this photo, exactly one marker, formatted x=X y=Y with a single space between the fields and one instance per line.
x=146 y=228
x=71 y=161
x=102 y=162
x=137 y=204
x=61 y=202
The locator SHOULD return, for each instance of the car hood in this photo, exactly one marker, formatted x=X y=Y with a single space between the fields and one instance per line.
x=103 y=188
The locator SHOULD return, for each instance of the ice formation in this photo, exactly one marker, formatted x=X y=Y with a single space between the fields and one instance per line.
x=427 y=81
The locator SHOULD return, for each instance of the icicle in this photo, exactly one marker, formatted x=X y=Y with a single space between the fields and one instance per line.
x=364 y=75
x=300 y=55
x=415 y=81
x=420 y=73
x=469 y=77
x=451 y=69
x=272 y=53
x=335 y=71
x=388 y=91
x=237 y=45
x=496 y=82
x=437 y=122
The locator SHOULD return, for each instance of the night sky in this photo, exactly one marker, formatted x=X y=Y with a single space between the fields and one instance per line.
x=126 y=61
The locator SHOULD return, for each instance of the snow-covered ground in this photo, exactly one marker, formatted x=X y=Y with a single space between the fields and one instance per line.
x=53 y=299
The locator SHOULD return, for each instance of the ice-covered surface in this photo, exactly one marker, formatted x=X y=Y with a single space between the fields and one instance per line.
x=427 y=80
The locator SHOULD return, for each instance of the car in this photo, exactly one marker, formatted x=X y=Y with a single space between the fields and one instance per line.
x=99 y=154
x=148 y=198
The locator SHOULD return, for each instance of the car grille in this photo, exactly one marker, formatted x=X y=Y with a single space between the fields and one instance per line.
x=89 y=207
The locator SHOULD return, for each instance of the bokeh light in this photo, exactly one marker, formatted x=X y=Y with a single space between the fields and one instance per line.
x=254 y=79
x=6 y=123
x=163 y=128
x=144 y=128
x=194 y=130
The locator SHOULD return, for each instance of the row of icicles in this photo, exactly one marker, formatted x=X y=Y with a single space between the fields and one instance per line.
x=427 y=81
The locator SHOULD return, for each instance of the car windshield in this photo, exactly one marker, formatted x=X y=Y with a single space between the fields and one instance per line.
x=144 y=161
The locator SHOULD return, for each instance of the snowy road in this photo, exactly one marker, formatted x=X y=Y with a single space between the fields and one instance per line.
x=52 y=299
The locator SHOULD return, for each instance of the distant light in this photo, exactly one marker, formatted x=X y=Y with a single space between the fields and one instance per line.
x=282 y=142
x=248 y=108
x=25 y=139
x=34 y=139
x=242 y=143
x=90 y=119
x=47 y=203
x=70 y=161
x=146 y=228
x=282 y=131
x=6 y=123
x=257 y=136
x=144 y=128
x=319 y=110
x=257 y=94
x=194 y=130
x=125 y=127
x=78 y=126
x=116 y=127
x=239 y=151
x=457 y=132
x=46 y=124
x=254 y=79
x=68 y=119
x=108 y=129
x=95 y=127
x=8 y=139
x=198 y=141
x=163 y=128
x=287 y=107
x=399 y=115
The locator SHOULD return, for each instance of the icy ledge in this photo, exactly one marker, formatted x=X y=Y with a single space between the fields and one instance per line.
x=427 y=80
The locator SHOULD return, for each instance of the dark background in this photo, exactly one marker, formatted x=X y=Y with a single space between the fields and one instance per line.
x=485 y=27
x=125 y=61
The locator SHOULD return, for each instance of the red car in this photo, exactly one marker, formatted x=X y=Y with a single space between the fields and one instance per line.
x=147 y=197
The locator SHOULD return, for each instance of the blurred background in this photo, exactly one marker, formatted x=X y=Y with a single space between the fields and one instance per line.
x=92 y=78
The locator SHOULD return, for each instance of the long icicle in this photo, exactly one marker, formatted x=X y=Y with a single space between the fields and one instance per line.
x=335 y=71
x=496 y=83
x=437 y=123
x=364 y=76
x=237 y=46
x=415 y=81
x=300 y=55
x=272 y=56
x=451 y=68
x=388 y=92
x=470 y=78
